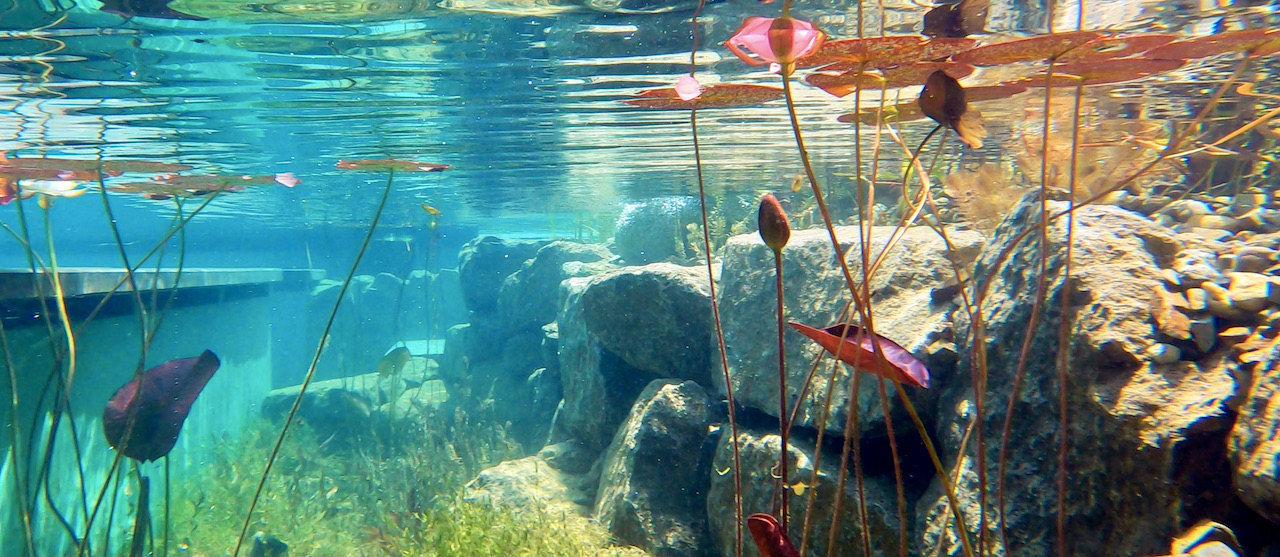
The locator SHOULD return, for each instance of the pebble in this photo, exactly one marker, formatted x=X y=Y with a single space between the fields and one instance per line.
x=1218 y=222
x=1185 y=209
x=1249 y=291
x=1166 y=309
x=1162 y=353
x=1197 y=299
x=1215 y=234
x=1118 y=197
x=1253 y=259
x=1235 y=334
x=1171 y=277
x=1197 y=266
x=1220 y=303
x=1204 y=333
x=1165 y=220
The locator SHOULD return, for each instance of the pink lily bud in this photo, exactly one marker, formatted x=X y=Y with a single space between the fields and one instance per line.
x=780 y=40
x=688 y=88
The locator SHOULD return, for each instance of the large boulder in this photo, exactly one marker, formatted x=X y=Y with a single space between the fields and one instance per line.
x=654 y=481
x=530 y=484
x=599 y=387
x=484 y=262
x=656 y=318
x=1255 y=444
x=528 y=297
x=654 y=230
x=758 y=451
x=1142 y=432
x=816 y=294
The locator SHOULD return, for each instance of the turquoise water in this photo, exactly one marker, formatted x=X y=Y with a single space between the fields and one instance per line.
x=523 y=100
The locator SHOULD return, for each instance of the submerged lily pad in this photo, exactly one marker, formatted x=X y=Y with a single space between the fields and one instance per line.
x=900 y=76
x=1103 y=71
x=1116 y=46
x=1025 y=50
x=910 y=111
x=1220 y=43
x=713 y=96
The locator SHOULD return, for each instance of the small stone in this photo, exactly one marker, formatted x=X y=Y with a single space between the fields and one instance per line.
x=1187 y=209
x=1118 y=197
x=1254 y=342
x=1234 y=334
x=1253 y=357
x=1215 y=234
x=1198 y=266
x=1218 y=222
x=1213 y=549
x=1205 y=334
x=1197 y=299
x=1162 y=353
x=1204 y=533
x=1253 y=259
x=1220 y=303
x=1273 y=291
x=1250 y=200
x=1164 y=220
x=1166 y=309
x=1171 y=277
x=1250 y=291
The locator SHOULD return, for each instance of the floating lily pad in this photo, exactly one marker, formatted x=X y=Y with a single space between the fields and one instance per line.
x=1025 y=50
x=1220 y=43
x=713 y=96
x=883 y=52
x=1116 y=46
x=1103 y=71
x=391 y=164
x=900 y=76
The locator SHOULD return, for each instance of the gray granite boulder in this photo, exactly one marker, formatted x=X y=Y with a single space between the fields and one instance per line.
x=599 y=387
x=1140 y=431
x=528 y=299
x=759 y=451
x=656 y=318
x=654 y=230
x=653 y=483
x=902 y=292
x=484 y=262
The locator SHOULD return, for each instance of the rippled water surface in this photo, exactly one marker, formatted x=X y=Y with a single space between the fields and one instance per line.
x=521 y=98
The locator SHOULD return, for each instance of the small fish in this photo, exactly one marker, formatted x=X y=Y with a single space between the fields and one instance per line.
x=799 y=488
x=797 y=183
x=958 y=20
x=266 y=545
x=394 y=361
x=431 y=210
x=943 y=101
x=332 y=491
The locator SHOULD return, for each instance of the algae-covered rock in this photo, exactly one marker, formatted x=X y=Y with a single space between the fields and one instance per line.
x=656 y=318
x=652 y=231
x=816 y=295
x=484 y=262
x=1255 y=444
x=528 y=296
x=653 y=483
x=1143 y=435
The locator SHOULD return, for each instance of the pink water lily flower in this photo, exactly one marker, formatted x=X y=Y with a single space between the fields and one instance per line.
x=778 y=40
x=688 y=88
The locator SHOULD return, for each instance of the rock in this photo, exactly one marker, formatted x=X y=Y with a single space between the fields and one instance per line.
x=1167 y=310
x=1220 y=302
x=1203 y=533
x=1197 y=300
x=656 y=318
x=1253 y=259
x=1161 y=353
x=1128 y=423
x=1234 y=334
x=1171 y=277
x=1217 y=222
x=528 y=298
x=599 y=387
x=1215 y=234
x=654 y=480
x=1254 y=444
x=569 y=456
x=530 y=484
x=759 y=451
x=1196 y=266
x=1204 y=333
x=816 y=295
x=414 y=403
x=1250 y=291
x=484 y=263
x=654 y=230
x=340 y=407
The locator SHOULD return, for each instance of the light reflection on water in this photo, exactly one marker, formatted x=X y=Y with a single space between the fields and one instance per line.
x=525 y=108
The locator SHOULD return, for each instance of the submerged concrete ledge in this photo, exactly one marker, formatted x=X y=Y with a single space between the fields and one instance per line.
x=21 y=284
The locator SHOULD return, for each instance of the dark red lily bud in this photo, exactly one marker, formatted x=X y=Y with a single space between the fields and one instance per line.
x=774 y=228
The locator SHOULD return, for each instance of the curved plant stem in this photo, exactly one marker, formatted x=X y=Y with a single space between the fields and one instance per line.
x=315 y=359
x=19 y=477
x=1064 y=329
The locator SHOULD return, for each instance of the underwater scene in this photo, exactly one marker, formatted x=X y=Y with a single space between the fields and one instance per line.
x=668 y=278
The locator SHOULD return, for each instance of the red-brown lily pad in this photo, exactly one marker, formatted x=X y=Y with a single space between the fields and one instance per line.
x=390 y=164
x=108 y=167
x=157 y=404
x=1025 y=50
x=1103 y=71
x=899 y=76
x=858 y=349
x=713 y=96
x=1213 y=45
x=1116 y=46
x=883 y=52
x=116 y=168
x=770 y=538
